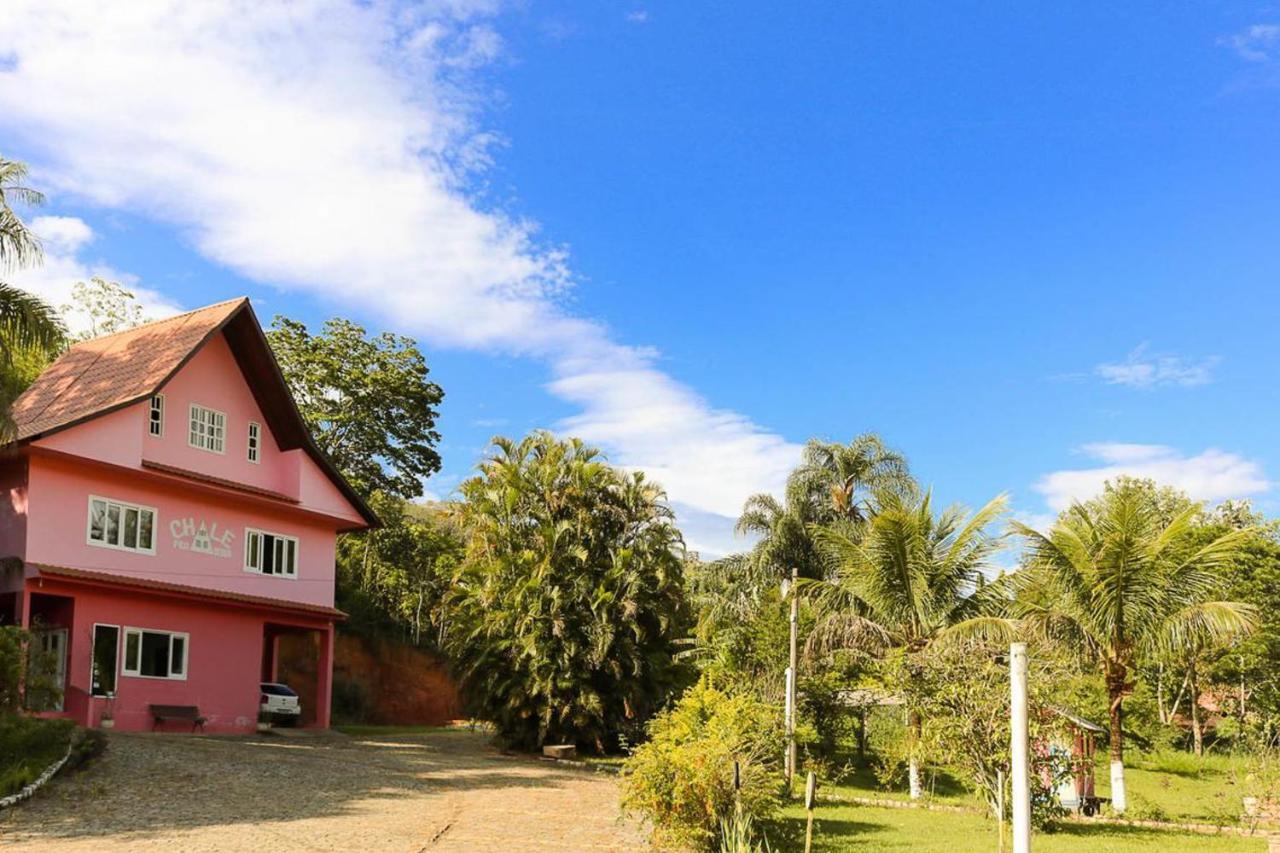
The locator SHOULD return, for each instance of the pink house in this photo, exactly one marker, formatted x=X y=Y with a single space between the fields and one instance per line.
x=168 y=525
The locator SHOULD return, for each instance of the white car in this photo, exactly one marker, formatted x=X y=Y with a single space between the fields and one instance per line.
x=279 y=703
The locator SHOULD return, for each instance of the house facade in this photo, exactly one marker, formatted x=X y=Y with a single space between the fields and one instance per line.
x=168 y=526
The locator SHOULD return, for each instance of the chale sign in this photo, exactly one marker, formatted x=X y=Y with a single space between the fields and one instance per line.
x=201 y=537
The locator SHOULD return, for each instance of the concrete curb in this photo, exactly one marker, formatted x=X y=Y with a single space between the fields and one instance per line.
x=40 y=781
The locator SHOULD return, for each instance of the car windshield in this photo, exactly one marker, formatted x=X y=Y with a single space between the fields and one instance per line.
x=277 y=690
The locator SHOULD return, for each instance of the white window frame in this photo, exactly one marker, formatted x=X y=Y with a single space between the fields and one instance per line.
x=204 y=434
x=251 y=532
x=155 y=426
x=136 y=672
x=255 y=442
x=124 y=505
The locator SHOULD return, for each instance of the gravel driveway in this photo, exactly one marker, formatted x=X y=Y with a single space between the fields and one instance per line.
x=439 y=791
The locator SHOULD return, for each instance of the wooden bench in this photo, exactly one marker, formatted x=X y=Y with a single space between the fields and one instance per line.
x=185 y=713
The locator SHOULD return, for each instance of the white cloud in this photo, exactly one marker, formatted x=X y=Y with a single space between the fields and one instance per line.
x=1257 y=43
x=1145 y=369
x=639 y=16
x=1212 y=475
x=331 y=147
x=65 y=238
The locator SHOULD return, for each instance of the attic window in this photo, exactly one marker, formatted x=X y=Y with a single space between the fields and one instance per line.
x=156 y=419
x=255 y=440
x=208 y=429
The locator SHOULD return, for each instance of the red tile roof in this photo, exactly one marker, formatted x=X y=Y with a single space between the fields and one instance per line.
x=67 y=573
x=104 y=374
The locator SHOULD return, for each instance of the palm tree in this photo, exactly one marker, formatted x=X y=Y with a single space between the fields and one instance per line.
x=570 y=600
x=27 y=323
x=844 y=478
x=907 y=580
x=1117 y=580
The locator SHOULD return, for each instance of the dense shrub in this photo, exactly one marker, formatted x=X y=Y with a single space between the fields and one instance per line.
x=28 y=745
x=681 y=780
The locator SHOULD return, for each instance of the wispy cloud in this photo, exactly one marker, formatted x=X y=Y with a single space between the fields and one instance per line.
x=66 y=241
x=332 y=147
x=1145 y=369
x=1257 y=43
x=639 y=16
x=1212 y=475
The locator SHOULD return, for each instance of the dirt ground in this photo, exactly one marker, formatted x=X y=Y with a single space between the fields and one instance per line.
x=439 y=791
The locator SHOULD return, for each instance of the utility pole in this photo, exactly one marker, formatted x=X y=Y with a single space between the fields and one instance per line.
x=1018 y=748
x=789 y=760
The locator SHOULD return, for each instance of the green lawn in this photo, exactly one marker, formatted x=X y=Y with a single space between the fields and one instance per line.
x=842 y=827
x=1169 y=786
x=392 y=731
x=1178 y=786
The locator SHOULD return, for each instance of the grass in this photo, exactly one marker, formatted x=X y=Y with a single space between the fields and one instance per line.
x=847 y=827
x=1178 y=786
x=1169 y=786
x=28 y=745
x=392 y=731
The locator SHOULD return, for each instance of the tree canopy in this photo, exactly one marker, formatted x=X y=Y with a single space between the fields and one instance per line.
x=367 y=400
x=570 y=600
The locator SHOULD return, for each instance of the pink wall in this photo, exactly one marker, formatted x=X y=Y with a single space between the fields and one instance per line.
x=13 y=507
x=223 y=660
x=213 y=379
x=57 y=533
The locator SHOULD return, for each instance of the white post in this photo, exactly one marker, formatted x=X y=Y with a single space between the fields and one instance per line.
x=790 y=763
x=1018 y=748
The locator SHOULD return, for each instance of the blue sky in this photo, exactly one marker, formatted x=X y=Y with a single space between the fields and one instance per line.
x=1029 y=247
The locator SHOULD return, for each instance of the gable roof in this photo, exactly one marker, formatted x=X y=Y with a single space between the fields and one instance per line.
x=103 y=375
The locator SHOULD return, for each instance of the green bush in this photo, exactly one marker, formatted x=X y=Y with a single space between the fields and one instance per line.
x=28 y=745
x=681 y=780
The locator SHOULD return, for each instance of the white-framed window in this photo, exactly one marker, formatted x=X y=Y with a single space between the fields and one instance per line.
x=255 y=441
x=122 y=525
x=270 y=553
x=155 y=654
x=208 y=429
x=155 y=421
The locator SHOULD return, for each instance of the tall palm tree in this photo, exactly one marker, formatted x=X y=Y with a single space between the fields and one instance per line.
x=844 y=478
x=1117 y=580
x=570 y=600
x=27 y=323
x=907 y=580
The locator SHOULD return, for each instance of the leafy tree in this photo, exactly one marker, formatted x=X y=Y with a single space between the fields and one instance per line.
x=1245 y=672
x=962 y=691
x=568 y=606
x=107 y=306
x=1119 y=579
x=741 y=632
x=394 y=579
x=367 y=401
x=30 y=330
x=907 y=581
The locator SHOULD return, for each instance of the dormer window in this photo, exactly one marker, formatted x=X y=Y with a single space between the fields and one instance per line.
x=155 y=422
x=255 y=440
x=208 y=429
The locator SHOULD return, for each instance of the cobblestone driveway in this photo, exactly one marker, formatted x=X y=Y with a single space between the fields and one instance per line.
x=443 y=791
